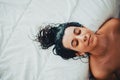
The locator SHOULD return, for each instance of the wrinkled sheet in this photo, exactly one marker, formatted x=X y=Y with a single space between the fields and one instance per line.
x=21 y=57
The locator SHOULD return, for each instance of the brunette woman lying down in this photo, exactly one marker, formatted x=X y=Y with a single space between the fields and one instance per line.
x=73 y=39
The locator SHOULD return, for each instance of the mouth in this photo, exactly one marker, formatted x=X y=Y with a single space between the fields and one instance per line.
x=89 y=40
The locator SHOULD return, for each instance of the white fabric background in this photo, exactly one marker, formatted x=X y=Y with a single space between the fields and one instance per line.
x=21 y=58
x=94 y=13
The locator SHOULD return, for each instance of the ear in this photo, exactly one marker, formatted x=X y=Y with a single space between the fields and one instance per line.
x=79 y=53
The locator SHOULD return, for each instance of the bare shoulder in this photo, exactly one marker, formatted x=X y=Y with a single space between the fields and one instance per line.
x=110 y=25
x=100 y=70
x=111 y=21
x=114 y=21
x=102 y=74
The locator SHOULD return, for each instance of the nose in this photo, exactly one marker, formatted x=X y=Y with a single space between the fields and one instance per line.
x=82 y=37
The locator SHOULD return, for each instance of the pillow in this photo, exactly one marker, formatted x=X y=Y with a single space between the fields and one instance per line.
x=93 y=13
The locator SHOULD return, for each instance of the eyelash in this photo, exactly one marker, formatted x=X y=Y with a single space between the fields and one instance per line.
x=77 y=32
x=75 y=42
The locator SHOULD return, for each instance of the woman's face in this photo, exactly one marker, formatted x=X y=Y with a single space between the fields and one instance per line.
x=79 y=39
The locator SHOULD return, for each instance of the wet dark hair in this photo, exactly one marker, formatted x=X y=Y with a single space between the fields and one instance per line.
x=53 y=35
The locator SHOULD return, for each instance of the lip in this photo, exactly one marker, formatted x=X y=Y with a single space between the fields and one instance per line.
x=89 y=40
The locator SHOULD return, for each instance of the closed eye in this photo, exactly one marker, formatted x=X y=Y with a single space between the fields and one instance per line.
x=74 y=43
x=77 y=31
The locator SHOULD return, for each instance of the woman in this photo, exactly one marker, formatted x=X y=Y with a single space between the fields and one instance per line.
x=73 y=39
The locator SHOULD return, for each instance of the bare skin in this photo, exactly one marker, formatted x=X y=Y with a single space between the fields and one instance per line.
x=103 y=47
x=104 y=65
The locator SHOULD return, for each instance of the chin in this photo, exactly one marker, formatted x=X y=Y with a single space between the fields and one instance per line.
x=94 y=43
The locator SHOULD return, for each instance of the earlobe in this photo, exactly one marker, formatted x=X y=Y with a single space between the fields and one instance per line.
x=79 y=53
x=83 y=53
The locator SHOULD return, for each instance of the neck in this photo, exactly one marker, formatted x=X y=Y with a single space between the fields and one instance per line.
x=108 y=32
x=102 y=46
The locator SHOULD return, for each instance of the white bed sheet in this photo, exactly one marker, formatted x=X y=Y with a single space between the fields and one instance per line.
x=93 y=13
x=21 y=58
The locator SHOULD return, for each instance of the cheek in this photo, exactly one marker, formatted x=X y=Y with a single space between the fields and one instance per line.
x=81 y=47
